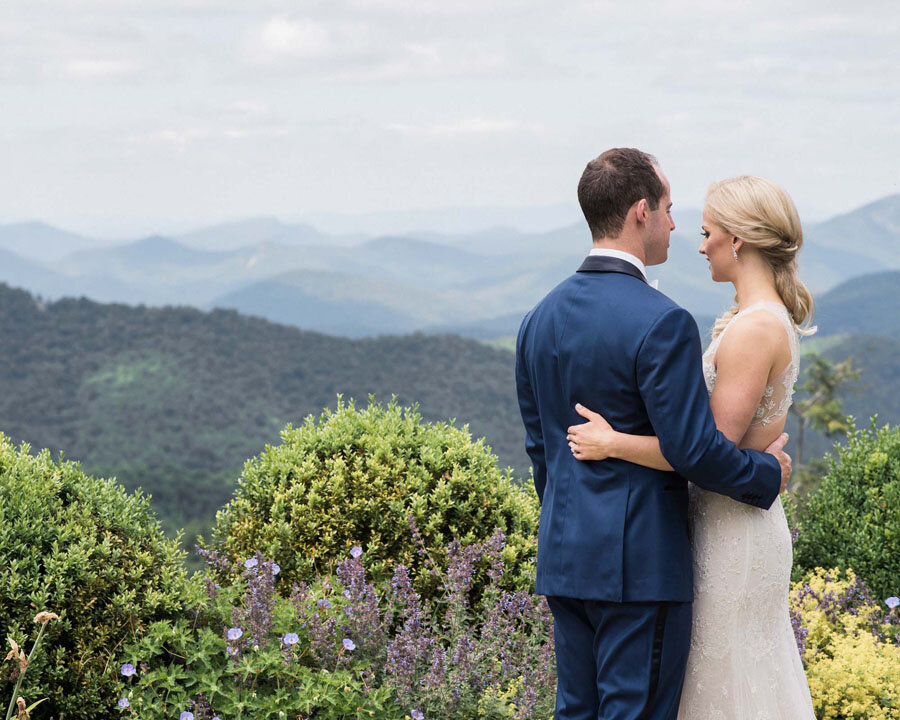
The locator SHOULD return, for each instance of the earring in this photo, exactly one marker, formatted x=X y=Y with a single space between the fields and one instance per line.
x=734 y=252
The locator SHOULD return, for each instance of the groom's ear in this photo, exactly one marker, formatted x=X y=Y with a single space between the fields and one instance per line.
x=641 y=211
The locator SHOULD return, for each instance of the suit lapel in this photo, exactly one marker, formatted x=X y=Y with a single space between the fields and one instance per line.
x=602 y=263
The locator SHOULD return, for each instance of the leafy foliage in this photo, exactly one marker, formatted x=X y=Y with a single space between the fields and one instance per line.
x=819 y=406
x=853 y=519
x=342 y=647
x=85 y=549
x=351 y=476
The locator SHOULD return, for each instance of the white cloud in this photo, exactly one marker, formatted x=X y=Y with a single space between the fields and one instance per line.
x=98 y=69
x=467 y=126
x=305 y=38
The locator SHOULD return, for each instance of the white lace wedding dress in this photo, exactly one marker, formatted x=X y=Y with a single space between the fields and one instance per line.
x=744 y=663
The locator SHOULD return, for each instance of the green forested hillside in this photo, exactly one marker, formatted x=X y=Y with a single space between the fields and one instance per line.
x=175 y=399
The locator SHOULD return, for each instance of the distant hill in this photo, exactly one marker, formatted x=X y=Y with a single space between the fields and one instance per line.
x=41 y=242
x=872 y=230
x=394 y=284
x=175 y=399
x=256 y=231
x=869 y=304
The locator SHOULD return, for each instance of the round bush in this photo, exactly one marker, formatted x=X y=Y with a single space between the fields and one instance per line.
x=354 y=477
x=85 y=549
x=853 y=519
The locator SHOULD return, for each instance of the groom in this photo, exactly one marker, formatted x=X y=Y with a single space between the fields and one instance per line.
x=614 y=559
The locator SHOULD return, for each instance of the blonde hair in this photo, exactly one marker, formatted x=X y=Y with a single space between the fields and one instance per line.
x=762 y=214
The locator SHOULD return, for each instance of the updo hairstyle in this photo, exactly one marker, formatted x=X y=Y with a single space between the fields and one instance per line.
x=762 y=214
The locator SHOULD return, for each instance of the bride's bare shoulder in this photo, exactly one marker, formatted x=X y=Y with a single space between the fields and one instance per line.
x=760 y=334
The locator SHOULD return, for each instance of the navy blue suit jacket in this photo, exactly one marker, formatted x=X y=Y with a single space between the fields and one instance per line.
x=612 y=530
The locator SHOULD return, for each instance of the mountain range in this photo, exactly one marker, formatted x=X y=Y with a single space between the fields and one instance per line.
x=476 y=283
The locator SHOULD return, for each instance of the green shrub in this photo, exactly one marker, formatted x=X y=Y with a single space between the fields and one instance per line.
x=83 y=548
x=354 y=476
x=853 y=519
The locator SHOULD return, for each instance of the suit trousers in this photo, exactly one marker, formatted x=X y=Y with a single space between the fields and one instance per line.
x=619 y=661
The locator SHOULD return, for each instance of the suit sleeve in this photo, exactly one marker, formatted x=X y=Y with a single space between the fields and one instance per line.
x=670 y=380
x=534 y=437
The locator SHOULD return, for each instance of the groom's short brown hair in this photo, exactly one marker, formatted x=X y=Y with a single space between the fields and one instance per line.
x=612 y=183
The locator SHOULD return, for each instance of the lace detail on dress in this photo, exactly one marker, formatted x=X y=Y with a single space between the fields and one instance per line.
x=776 y=398
x=744 y=663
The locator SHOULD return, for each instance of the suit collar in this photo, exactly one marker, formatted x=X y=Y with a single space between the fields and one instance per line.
x=603 y=263
x=622 y=255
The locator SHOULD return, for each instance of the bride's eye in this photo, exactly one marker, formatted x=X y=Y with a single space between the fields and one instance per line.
x=704 y=233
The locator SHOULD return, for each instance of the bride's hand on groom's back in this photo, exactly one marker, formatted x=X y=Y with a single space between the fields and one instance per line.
x=777 y=449
x=592 y=440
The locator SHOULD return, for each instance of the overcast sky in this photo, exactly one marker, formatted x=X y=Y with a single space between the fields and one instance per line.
x=127 y=117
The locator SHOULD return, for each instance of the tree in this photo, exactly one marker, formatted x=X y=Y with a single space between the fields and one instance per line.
x=822 y=408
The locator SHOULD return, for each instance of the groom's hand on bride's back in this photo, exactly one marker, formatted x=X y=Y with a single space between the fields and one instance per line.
x=777 y=449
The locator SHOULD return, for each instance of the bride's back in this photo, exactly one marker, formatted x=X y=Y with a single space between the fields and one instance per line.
x=771 y=414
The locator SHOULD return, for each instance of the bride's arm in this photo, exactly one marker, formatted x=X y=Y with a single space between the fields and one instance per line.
x=744 y=359
x=740 y=382
x=596 y=440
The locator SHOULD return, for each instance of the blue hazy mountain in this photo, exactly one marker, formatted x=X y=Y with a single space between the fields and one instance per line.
x=869 y=304
x=255 y=231
x=477 y=280
x=42 y=243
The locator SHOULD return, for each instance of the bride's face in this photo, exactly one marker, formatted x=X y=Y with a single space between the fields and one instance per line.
x=716 y=246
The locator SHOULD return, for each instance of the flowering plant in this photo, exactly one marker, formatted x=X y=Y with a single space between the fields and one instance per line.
x=850 y=646
x=342 y=647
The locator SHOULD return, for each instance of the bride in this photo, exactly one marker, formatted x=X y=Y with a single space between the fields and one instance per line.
x=743 y=662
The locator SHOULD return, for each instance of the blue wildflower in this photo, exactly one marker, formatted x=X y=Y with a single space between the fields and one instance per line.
x=128 y=669
x=186 y=715
x=892 y=602
x=349 y=644
x=234 y=633
x=323 y=603
x=276 y=568
x=123 y=703
x=417 y=715
x=291 y=639
x=356 y=551
x=251 y=563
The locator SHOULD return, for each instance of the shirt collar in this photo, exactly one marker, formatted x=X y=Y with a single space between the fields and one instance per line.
x=622 y=255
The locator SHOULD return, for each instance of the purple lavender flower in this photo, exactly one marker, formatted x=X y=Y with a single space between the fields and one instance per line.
x=235 y=633
x=349 y=644
x=290 y=639
x=123 y=703
x=356 y=552
x=128 y=669
x=892 y=602
x=254 y=614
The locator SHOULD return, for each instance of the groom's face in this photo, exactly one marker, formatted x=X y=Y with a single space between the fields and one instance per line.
x=659 y=226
